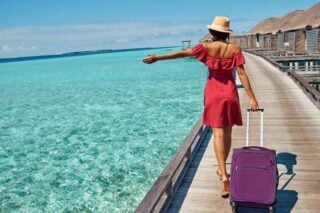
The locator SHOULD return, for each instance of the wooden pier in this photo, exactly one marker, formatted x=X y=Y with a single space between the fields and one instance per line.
x=291 y=127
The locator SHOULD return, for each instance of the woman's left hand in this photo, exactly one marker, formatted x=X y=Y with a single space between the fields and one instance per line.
x=150 y=59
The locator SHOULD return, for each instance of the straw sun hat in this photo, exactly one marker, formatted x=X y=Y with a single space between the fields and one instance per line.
x=221 y=24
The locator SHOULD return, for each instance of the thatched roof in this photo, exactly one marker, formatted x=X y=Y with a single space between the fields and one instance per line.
x=294 y=20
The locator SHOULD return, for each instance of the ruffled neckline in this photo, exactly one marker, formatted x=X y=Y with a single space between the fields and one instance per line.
x=217 y=62
x=218 y=57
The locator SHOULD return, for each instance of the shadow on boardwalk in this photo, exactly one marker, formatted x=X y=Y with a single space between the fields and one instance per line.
x=286 y=198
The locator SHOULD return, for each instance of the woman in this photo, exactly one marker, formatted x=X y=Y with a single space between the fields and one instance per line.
x=221 y=100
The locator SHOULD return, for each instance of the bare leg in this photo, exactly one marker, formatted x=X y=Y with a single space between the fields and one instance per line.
x=227 y=140
x=227 y=144
x=222 y=145
x=220 y=149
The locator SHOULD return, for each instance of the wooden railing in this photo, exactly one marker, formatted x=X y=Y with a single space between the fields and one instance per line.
x=161 y=193
x=302 y=69
x=311 y=92
x=274 y=63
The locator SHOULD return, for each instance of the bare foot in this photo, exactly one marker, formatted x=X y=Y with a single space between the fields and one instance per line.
x=219 y=174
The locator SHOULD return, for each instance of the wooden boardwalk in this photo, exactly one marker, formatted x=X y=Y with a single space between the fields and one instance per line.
x=291 y=126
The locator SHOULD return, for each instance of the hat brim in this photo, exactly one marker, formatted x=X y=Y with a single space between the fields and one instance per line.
x=219 y=28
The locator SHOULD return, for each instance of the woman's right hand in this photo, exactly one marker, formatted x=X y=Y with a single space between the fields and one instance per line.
x=254 y=106
x=150 y=59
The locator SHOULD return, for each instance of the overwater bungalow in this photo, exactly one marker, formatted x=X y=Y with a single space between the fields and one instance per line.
x=299 y=41
x=297 y=33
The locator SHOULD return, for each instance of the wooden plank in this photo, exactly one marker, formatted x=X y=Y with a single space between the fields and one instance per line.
x=292 y=127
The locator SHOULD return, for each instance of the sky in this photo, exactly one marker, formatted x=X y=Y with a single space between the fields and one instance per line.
x=41 y=27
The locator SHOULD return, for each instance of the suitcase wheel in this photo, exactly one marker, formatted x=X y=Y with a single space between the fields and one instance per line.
x=234 y=206
x=272 y=209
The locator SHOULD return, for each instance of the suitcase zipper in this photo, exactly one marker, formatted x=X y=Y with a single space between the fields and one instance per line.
x=271 y=161
x=255 y=167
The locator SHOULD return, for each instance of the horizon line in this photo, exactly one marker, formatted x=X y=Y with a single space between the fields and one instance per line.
x=76 y=53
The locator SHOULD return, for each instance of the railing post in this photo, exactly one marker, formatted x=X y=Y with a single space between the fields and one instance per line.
x=169 y=189
x=189 y=154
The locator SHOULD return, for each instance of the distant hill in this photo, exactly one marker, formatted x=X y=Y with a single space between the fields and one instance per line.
x=293 y=20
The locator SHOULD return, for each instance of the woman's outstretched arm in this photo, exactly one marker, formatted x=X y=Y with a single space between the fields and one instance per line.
x=179 y=54
x=254 y=106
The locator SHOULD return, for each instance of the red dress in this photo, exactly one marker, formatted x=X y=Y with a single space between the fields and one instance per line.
x=221 y=99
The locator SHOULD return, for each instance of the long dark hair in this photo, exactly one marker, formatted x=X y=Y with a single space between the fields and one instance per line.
x=216 y=35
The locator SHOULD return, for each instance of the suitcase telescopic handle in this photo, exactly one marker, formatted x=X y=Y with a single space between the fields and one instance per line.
x=248 y=124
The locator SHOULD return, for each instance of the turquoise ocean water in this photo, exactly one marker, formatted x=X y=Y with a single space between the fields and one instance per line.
x=92 y=133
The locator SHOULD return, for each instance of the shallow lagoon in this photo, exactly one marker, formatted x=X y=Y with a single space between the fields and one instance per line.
x=92 y=133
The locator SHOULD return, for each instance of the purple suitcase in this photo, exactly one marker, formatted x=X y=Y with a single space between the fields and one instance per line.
x=254 y=175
